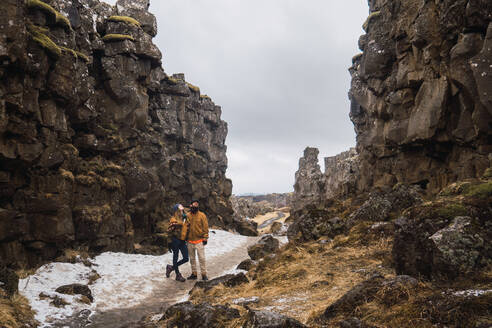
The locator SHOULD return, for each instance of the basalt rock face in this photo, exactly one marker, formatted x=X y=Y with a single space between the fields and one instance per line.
x=421 y=99
x=341 y=174
x=96 y=140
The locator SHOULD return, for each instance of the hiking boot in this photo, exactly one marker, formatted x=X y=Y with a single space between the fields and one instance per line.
x=180 y=278
x=192 y=277
x=204 y=278
x=169 y=269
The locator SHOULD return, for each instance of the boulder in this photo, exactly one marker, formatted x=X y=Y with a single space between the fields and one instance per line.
x=266 y=319
x=246 y=265
x=201 y=315
x=267 y=245
x=388 y=291
x=358 y=295
x=229 y=280
x=76 y=289
x=353 y=323
x=246 y=227
x=312 y=223
x=380 y=205
x=277 y=228
x=442 y=240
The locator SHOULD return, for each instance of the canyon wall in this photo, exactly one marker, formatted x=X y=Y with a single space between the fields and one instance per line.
x=97 y=142
x=421 y=93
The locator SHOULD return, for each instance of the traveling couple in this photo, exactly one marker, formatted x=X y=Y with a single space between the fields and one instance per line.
x=189 y=235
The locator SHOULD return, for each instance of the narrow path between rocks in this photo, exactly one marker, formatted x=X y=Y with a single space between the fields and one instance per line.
x=168 y=291
x=280 y=215
x=125 y=293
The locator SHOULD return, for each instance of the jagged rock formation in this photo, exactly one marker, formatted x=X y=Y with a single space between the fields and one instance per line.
x=245 y=207
x=314 y=187
x=96 y=140
x=421 y=100
x=309 y=182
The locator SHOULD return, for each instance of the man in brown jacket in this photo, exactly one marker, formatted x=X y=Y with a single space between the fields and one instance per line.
x=197 y=237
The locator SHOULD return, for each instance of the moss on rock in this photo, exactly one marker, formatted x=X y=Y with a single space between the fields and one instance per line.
x=369 y=19
x=59 y=18
x=46 y=43
x=205 y=97
x=117 y=37
x=76 y=54
x=193 y=88
x=482 y=190
x=124 y=19
x=172 y=80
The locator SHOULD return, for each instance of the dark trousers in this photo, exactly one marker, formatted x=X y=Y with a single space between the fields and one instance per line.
x=177 y=246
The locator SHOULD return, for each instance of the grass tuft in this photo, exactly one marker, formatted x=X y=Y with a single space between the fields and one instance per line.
x=124 y=19
x=117 y=37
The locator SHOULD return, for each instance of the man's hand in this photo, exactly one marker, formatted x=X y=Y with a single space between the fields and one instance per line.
x=204 y=243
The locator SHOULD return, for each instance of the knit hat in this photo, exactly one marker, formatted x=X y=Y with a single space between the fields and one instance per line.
x=175 y=207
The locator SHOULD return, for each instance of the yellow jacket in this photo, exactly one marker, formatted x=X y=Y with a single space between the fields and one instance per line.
x=196 y=227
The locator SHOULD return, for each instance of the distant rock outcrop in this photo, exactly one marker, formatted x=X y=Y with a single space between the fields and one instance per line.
x=421 y=93
x=96 y=140
x=309 y=184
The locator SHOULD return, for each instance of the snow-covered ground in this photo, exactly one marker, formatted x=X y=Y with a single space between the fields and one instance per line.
x=126 y=279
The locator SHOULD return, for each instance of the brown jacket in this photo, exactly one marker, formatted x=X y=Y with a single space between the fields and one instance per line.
x=196 y=227
x=177 y=227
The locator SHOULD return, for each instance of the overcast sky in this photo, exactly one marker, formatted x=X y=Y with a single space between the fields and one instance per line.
x=278 y=69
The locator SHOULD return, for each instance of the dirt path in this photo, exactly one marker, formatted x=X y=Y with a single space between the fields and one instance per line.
x=165 y=292
x=280 y=215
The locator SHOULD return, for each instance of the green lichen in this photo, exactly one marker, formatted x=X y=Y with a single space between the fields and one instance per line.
x=193 y=88
x=46 y=8
x=488 y=173
x=124 y=19
x=117 y=37
x=369 y=19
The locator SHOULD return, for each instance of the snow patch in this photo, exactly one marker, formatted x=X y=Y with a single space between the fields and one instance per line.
x=472 y=292
x=126 y=279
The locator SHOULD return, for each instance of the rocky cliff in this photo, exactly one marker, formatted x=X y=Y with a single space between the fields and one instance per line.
x=339 y=180
x=96 y=140
x=421 y=92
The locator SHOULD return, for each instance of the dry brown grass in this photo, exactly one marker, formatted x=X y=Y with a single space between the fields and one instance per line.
x=302 y=280
x=15 y=312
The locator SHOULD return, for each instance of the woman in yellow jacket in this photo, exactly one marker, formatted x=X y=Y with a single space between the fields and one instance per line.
x=178 y=230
